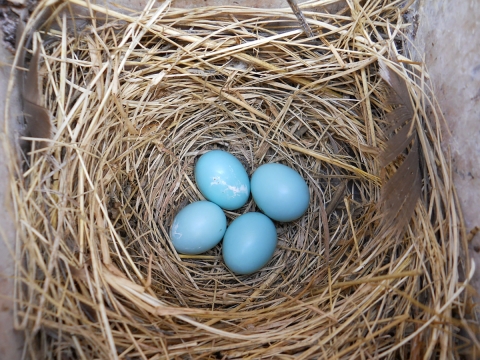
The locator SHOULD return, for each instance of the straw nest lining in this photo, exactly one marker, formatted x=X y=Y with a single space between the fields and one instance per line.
x=137 y=101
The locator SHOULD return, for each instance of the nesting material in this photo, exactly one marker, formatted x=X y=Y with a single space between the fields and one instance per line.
x=137 y=99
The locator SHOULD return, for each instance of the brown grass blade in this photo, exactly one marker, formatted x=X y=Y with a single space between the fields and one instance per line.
x=402 y=190
x=37 y=117
x=399 y=94
x=398 y=117
x=31 y=92
x=38 y=122
x=301 y=18
x=396 y=145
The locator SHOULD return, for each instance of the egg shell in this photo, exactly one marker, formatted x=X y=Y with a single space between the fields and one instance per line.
x=249 y=243
x=280 y=192
x=222 y=179
x=198 y=227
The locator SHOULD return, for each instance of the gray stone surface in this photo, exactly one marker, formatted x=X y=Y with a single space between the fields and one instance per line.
x=11 y=343
x=447 y=38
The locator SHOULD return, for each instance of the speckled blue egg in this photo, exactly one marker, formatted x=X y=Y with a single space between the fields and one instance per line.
x=198 y=227
x=249 y=243
x=280 y=192
x=222 y=179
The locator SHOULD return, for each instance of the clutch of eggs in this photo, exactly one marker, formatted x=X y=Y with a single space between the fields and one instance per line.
x=250 y=240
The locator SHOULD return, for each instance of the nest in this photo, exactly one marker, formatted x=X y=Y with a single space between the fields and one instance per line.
x=137 y=99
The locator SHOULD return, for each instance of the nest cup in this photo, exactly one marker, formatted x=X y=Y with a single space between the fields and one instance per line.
x=138 y=99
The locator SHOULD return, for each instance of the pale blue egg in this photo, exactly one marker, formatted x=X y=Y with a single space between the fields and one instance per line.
x=198 y=227
x=222 y=179
x=249 y=243
x=280 y=192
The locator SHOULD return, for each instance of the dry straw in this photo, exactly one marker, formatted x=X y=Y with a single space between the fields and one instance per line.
x=136 y=98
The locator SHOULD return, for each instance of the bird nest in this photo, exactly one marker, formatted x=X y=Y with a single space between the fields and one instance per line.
x=370 y=271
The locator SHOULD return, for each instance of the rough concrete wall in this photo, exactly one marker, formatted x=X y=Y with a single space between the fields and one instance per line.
x=447 y=38
x=10 y=341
